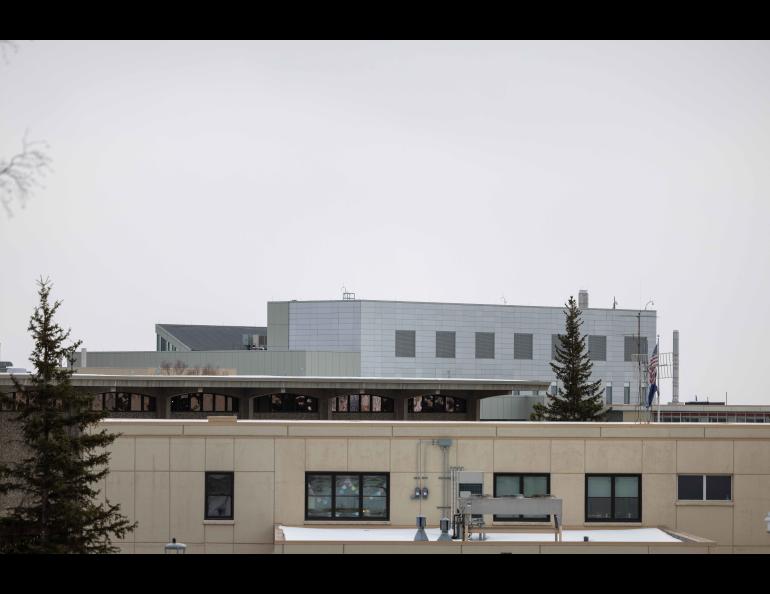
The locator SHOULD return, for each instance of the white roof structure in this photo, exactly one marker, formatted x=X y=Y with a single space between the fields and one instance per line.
x=638 y=535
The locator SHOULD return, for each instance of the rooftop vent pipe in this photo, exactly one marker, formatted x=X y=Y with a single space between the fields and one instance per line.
x=583 y=299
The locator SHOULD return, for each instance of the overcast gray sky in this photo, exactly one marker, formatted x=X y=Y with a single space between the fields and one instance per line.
x=194 y=181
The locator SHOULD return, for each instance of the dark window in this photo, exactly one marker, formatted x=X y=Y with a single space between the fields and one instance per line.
x=633 y=345
x=718 y=488
x=554 y=343
x=597 y=348
x=292 y=403
x=613 y=498
x=608 y=393
x=438 y=404
x=627 y=394
x=522 y=346
x=123 y=402
x=204 y=403
x=700 y=487
x=529 y=485
x=347 y=496
x=362 y=403
x=445 y=345
x=485 y=345
x=219 y=496
x=405 y=343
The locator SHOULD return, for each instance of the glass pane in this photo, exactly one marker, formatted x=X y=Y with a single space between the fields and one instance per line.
x=136 y=402
x=416 y=404
x=195 y=403
x=438 y=404
x=218 y=484
x=333 y=403
x=319 y=485
x=220 y=506
x=387 y=404
x=347 y=485
x=599 y=486
x=208 y=402
x=507 y=486
x=319 y=506
x=343 y=403
x=375 y=485
x=459 y=405
x=450 y=404
x=109 y=401
x=276 y=403
x=97 y=402
x=374 y=507
x=626 y=508
x=219 y=403
x=690 y=487
x=535 y=485
x=149 y=403
x=354 y=402
x=365 y=403
x=626 y=486
x=376 y=404
x=347 y=507
x=599 y=508
x=718 y=488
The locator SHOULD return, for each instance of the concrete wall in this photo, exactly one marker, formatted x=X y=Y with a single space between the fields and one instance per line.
x=157 y=473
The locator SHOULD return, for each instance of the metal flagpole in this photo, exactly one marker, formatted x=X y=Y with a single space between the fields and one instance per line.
x=657 y=377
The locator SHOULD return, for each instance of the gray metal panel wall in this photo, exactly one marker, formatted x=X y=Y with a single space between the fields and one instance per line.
x=278 y=325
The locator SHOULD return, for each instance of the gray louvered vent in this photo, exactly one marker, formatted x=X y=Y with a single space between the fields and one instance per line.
x=597 y=348
x=445 y=344
x=485 y=345
x=405 y=343
x=522 y=346
x=632 y=347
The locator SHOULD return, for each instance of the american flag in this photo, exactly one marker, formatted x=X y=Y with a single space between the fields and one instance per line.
x=653 y=367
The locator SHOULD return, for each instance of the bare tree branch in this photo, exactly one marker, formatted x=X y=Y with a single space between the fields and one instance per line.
x=21 y=174
x=6 y=45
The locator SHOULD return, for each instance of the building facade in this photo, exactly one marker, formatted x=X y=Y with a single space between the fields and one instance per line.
x=222 y=486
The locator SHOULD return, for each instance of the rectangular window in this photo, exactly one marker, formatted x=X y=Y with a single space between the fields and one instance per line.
x=554 y=342
x=405 y=343
x=529 y=485
x=633 y=345
x=704 y=487
x=613 y=498
x=608 y=393
x=445 y=345
x=347 y=496
x=219 y=496
x=485 y=345
x=522 y=346
x=597 y=348
x=626 y=393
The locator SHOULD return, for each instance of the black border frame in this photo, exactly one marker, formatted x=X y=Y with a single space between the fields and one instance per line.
x=613 y=519
x=547 y=476
x=360 y=518
x=206 y=495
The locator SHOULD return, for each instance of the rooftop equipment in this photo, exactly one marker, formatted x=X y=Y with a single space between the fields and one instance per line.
x=469 y=505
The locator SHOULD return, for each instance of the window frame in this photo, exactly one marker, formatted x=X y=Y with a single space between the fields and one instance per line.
x=521 y=475
x=613 y=519
x=206 y=516
x=704 y=487
x=333 y=475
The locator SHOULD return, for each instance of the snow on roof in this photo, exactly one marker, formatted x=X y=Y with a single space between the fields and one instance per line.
x=293 y=533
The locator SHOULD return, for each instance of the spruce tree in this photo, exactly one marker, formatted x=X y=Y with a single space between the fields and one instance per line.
x=578 y=398
x=65 y=456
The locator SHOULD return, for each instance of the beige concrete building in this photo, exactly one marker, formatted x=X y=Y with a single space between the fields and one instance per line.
x=241 y=486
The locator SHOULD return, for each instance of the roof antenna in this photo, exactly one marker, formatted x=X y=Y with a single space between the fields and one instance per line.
x=614 y=302
x=346 y=295
x=504 y=301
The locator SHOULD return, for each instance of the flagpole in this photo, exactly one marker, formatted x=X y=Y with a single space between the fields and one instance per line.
x=657 y=378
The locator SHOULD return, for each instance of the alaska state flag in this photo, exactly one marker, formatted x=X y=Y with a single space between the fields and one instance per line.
x=653 y=377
